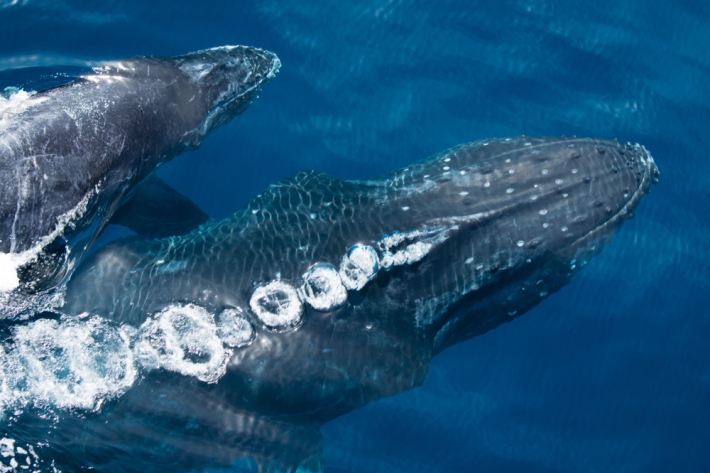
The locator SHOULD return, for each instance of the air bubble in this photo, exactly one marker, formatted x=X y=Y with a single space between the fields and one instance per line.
x=558 y=181
x=462 y=172
x=446 y=168
x=405 y=208
x=322 y=288
x=77 y=362
x=564 y=229
x=575 y=171
x=447 y=160
x=487 y=184
x=511 y=171
x=510 y=190
x=183 y=339
x=544 y=171
x=277 y=305
x=359 y=266
x=543 y=212
x=463 y=193
x=234 y=329
x=521 y=243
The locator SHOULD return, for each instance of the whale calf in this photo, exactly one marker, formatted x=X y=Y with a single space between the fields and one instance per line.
x=319 y=296
x=71 y=155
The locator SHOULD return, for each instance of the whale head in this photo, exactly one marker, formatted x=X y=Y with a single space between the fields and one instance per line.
x=229 y=79
x=491 y=228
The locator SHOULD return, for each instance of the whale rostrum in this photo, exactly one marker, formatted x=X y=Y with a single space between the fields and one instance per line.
x=70 y=156
x=321 y=295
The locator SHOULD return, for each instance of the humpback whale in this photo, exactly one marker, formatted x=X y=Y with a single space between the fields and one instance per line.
x=73 y=154
x=317 y=297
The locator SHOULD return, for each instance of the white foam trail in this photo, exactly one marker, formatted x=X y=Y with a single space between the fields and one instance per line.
x=76 y=363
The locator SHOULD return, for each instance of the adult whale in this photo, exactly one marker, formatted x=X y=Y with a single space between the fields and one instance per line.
x=318 y=297
x=71 y=155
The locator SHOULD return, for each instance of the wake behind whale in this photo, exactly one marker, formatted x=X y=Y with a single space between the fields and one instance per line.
x=317 y=297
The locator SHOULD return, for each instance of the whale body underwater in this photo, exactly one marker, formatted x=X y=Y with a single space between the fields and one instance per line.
x=71 y=155
x=231 y=344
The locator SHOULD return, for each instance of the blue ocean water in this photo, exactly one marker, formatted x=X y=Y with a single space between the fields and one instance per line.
x=611 y=373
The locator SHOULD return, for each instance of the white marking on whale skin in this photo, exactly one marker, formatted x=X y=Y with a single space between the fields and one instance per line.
x=172 y=266
x=322 y=288
x=196 y=71
x=358 y=267
x=11 y=262
x=277 y=306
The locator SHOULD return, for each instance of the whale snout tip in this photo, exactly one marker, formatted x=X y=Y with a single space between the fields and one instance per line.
x=652 y=167
x=261 y=63
x=275 y=66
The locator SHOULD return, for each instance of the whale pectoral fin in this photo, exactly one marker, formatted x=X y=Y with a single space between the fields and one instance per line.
x=157 y=210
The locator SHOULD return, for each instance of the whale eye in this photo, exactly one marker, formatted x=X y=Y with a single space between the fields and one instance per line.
x=359 y=266
x=277 y=305
x=322 y=288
